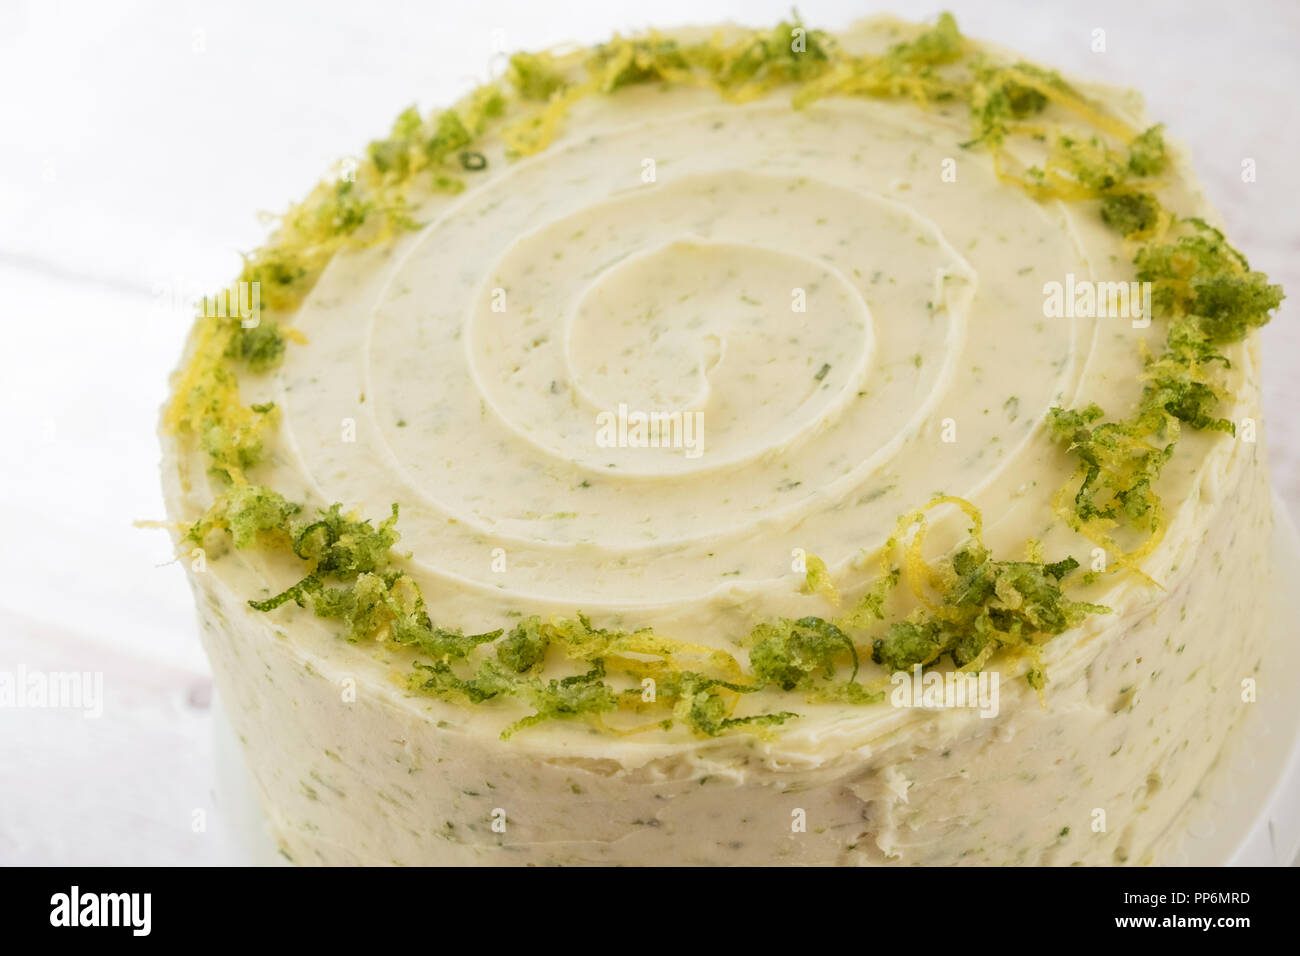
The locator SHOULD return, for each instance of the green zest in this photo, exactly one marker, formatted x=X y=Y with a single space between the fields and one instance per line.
x=972 y=606
x=1209 y=296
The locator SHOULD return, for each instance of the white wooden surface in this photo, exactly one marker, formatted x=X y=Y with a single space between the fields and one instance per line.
x=138 y=139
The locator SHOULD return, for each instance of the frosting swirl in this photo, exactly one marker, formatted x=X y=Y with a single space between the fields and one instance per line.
x=826 y=311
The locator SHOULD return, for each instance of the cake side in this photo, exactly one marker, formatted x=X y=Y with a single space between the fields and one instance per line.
x=352 y=772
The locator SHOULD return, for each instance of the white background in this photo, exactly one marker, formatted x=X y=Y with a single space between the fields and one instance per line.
x=137 y=142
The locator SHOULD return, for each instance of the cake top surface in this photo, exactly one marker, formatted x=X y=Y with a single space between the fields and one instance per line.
x=717 y=375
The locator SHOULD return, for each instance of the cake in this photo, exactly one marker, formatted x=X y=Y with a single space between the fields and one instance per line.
x=735 y=446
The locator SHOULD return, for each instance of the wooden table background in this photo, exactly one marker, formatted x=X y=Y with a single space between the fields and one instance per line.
x=137 y=140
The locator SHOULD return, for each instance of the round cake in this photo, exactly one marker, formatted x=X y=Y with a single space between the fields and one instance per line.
x=735 y=446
